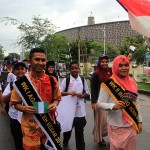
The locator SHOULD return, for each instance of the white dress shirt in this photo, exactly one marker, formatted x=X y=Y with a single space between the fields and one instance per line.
x=76 y=85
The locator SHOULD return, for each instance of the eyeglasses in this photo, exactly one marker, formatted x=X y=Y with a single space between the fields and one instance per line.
x=125 y=65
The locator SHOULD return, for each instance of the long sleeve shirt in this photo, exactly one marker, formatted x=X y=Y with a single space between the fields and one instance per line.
x=114 y=118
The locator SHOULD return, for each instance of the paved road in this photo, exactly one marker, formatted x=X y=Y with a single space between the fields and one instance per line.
x=143 y=141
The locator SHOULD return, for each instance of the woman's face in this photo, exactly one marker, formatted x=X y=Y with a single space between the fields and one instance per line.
x=123 y=70
x=50 y=69
x=104 y=63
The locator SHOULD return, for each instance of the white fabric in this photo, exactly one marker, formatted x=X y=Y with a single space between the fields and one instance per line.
x=11 y=77
x=114 y=118
x=140 y=24
x=13 y=113
x=65 y=115
x=71 y=106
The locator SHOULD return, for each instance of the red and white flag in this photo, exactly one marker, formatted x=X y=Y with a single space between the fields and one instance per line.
x=139 y=15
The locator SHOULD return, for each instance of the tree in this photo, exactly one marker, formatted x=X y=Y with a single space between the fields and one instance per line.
x=56 y=46
x=139 y=54
x=136 y=41
x=1 y=52
x=13 y=56
x=31 y=35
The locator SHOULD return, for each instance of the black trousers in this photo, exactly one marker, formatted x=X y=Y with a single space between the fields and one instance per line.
x=16 y=132
x=78 y=124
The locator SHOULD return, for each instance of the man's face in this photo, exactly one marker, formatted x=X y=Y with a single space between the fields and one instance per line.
x=20 y=71
x=38 y=62
x=74 y=70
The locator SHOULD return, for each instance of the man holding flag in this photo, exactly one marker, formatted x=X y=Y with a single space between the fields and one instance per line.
x=38 y=93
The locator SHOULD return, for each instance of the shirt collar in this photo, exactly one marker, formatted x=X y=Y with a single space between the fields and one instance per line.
x=72 y=78
x=33 y=76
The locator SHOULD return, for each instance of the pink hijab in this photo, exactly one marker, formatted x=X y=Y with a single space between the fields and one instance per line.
x=127 y=83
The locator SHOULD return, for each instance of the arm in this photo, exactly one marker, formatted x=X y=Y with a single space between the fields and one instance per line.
x=103 y=100
x=85 y=93
x=17 y=102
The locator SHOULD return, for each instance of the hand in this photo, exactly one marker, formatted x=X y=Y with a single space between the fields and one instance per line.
x=73 y=93
x=29 y=110
x=94 y=106
x=52 y=107
x=3 y=111
x=119 y=105
x=129 y=56
x=140 y=127
x=79 y=95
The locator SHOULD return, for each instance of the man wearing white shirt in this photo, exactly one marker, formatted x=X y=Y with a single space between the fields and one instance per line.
x=77 y=91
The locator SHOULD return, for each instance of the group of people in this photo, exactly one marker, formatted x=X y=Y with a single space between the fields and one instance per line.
x=114 y=102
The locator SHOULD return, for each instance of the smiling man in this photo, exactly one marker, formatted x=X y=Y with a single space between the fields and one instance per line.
x=32 y=133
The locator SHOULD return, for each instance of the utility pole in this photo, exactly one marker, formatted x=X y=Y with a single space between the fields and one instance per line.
x=79 y=46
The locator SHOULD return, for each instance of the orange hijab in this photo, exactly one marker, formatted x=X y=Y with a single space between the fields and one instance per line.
x=127 y=83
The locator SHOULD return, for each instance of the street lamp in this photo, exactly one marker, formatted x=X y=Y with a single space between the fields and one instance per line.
x=104 y=36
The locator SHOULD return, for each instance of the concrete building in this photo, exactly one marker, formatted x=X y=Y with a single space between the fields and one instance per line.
x=114 y=32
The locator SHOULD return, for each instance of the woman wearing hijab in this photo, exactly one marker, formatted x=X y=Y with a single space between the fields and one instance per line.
x=118 y=95
x=102 y=73
x=50 y=69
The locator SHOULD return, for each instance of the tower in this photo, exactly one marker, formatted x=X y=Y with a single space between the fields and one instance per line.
x=91 y=20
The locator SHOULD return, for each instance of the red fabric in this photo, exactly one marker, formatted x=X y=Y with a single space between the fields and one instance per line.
x=104 y=74
x=127 y=82
x=137 y=7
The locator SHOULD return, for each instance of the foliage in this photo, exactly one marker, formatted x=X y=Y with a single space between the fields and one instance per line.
x=1 y=52
x=56 y=47
x=31 y=35
x=139 y=54
x=11 y=56
x=143 y=86
x=136 y=41
x=111 y=51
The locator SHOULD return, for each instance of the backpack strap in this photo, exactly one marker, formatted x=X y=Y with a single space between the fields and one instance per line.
x=11 y=86
x=83 y=83
x=52 y=85
x=67 y=83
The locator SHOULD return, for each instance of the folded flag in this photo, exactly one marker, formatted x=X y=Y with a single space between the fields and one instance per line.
x=41 y=107
x=132 y=48
x=139 y=15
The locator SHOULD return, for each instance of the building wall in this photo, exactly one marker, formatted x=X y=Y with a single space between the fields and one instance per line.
x=115 y=32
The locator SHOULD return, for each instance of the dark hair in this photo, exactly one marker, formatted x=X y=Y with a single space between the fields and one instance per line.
x=18 y=64
x=36 y=50
x=73 y=63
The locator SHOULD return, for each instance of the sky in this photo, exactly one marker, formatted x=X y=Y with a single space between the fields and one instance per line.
x=63 y=14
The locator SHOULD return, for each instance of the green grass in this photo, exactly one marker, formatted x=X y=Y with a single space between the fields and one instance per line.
x=143 y=86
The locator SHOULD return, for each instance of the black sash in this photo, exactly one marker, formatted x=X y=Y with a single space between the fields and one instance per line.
x=29 y=95
x=118 y=93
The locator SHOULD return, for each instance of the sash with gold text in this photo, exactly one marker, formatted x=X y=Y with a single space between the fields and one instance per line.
x=118 y=93
x=29 y=95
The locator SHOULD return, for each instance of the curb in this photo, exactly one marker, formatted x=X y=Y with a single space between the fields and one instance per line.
x=144 y=92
